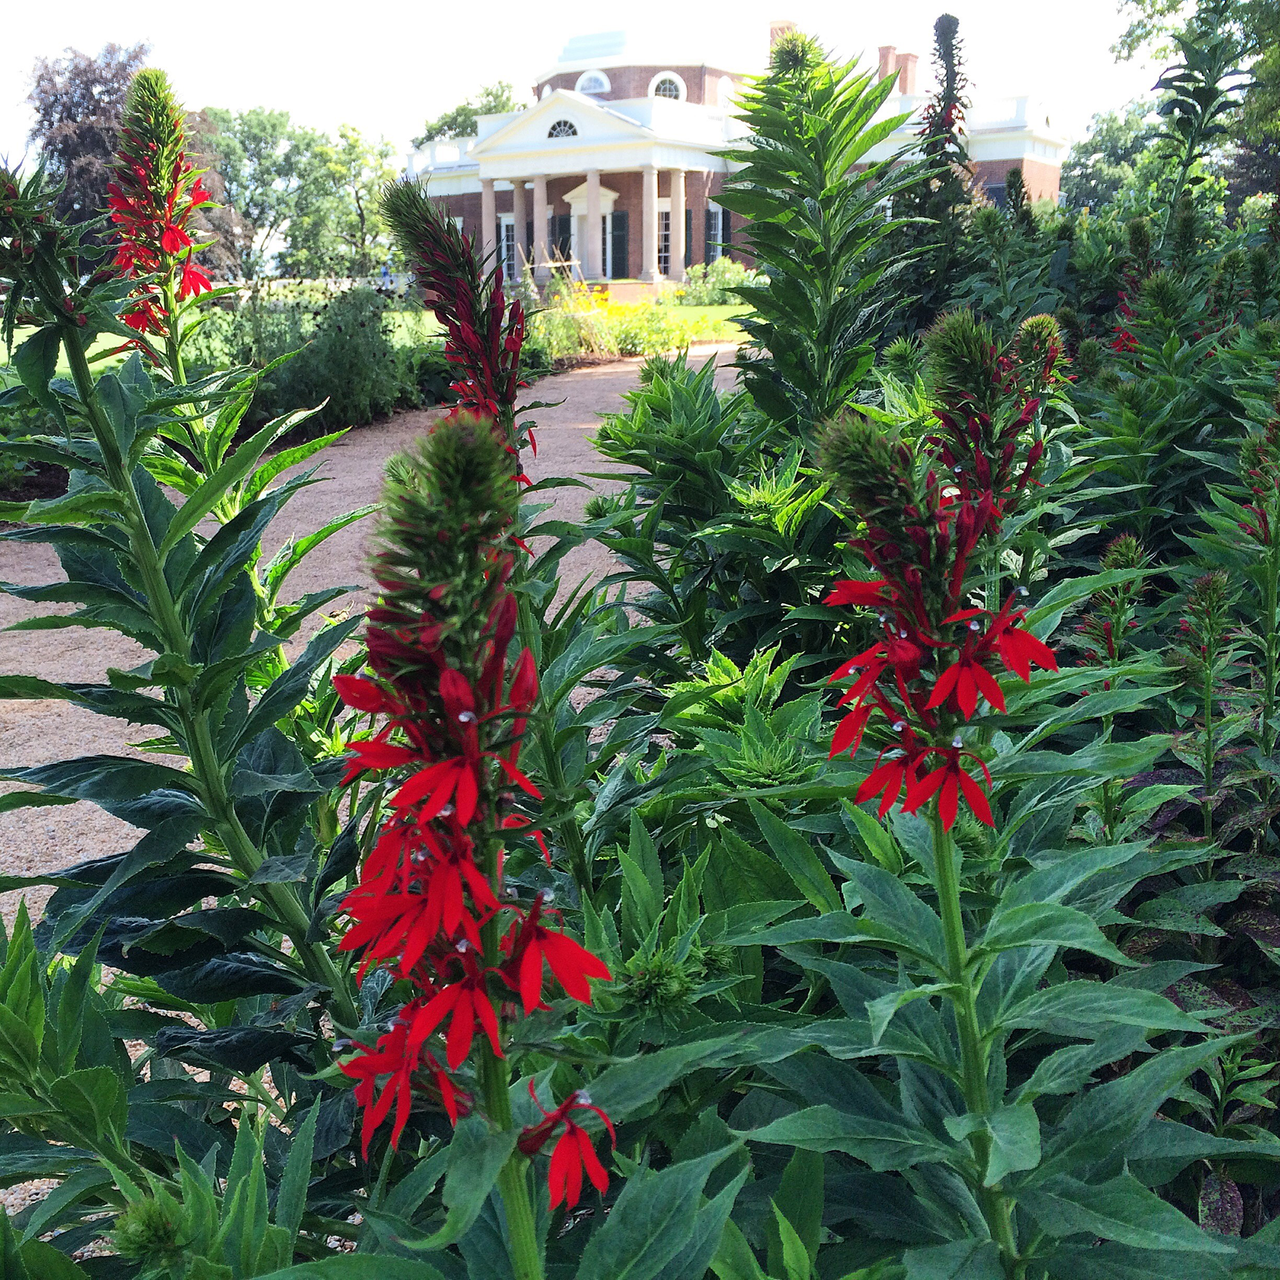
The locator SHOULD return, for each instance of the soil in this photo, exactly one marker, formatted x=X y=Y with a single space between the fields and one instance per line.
x=38 y=841
x=39 y=481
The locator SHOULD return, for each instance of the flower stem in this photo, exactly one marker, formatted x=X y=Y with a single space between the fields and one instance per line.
x=996 y=1207
x=513 y=1184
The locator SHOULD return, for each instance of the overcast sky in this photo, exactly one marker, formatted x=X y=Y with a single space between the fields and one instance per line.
x=385 y=66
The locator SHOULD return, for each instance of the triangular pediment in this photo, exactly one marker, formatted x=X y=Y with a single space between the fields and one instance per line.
x=595 y=123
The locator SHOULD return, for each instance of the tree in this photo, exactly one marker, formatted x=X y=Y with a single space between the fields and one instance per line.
x=342 y=231
x=461 y=121
x=1099 y=166
x=78 y=101
x=274 y=173
x=222 y=257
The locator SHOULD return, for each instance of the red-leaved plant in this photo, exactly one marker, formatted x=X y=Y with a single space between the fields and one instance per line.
x=450 y=695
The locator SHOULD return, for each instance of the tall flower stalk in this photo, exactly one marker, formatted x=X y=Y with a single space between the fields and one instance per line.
x=484 y=328
x=155 y=193
x=452 y=697
x=928 y=519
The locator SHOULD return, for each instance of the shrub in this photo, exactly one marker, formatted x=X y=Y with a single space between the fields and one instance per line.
x=712 y=284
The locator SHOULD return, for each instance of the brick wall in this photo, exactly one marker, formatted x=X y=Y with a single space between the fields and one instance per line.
x=702 y=84
x=1041 y=178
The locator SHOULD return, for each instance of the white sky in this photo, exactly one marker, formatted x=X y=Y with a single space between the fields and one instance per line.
x=385 y=66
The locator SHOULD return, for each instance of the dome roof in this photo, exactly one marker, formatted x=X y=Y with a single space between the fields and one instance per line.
x=601 y=50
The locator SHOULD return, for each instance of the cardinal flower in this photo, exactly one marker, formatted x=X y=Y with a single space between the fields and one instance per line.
x=949 y=781
x=574 y=1151
x=464 y=1001
x=530 y=944
x=396 y=1058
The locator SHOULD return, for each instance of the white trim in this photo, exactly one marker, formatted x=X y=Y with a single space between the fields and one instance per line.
x=587 y=75
x=669 y=75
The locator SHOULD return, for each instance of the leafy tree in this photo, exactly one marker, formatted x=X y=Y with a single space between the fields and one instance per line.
x=223 y=256
x=78 y=101
x=1102 y=163
x=274 y=172
x=461 y=121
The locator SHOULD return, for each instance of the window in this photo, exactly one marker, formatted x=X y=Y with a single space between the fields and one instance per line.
x=593 y=82
x=666 y=84
x=563 y=129
x=664 y=243
x=507 y=250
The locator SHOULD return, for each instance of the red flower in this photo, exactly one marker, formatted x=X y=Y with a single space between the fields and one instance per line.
x=867 y=594
x=397 y=1057
x=966 y=678
x=949 y=781
x=465 y=1001
x=529 y=944
x=574 y=1151
x=900 y=770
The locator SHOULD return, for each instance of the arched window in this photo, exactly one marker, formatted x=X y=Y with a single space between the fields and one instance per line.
x=563 y=129
x=666 y=84
x=593 y=82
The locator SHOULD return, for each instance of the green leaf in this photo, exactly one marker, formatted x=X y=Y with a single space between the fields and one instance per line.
x=626 y=1087
x=650 y=1222
x=959 y=1260
x=214 y=488
x=235 y=976
x=476 y=1158
x=291 y=1201
x=44 y=1262
x=642 y=889
x=1083 y=1008
x=797 y=857
x=792 y=1258
x=358 y=1266
x=1047 y=924
x=1121 y=1209
x=92 y=1099
x=36 y=362
x=734 y=1259
x=50 y=1212
x=1013 y=1135
x=242 y=1049
x=797 y=1213
x=881 y=1144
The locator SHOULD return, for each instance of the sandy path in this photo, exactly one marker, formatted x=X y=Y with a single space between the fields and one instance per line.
x=36 y=841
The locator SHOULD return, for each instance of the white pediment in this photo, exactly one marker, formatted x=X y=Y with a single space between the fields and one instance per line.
x=595 y=125
x=577 y=200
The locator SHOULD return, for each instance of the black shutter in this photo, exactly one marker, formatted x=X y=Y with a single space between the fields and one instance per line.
x=528 y=239
x=563 y=225
x=726 y=231
x=621 y=245
x=688 y=237
x=710 y=234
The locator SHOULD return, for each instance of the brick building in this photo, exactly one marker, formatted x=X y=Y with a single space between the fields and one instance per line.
x=614 y=168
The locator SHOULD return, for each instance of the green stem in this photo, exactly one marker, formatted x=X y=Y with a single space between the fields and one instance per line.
x=207 y=769
x=513 y=1181
x=996 y=1207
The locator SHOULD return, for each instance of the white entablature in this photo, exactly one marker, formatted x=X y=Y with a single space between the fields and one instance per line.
x=617 y=137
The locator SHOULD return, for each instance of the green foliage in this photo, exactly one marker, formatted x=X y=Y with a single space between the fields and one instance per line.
x=348 y=362
x=814 y=319
x=461 y=121
x=713 y=284
x=1097 y=168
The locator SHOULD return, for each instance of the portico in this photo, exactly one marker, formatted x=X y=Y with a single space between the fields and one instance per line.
x=607 y=190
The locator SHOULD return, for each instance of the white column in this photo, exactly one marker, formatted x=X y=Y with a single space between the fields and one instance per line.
x=519 y=217
x=488 y=216
x=591 y=263
x=676 y=267
x=540 y=227
x=649 y=226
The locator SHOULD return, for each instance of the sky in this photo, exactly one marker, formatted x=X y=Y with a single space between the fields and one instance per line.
x=387 y=66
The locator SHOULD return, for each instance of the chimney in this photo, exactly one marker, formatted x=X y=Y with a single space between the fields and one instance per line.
x=888 y=63
x=778 y=29
x=907 y=72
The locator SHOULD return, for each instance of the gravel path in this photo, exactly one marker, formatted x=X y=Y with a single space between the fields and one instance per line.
x=35 y=841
